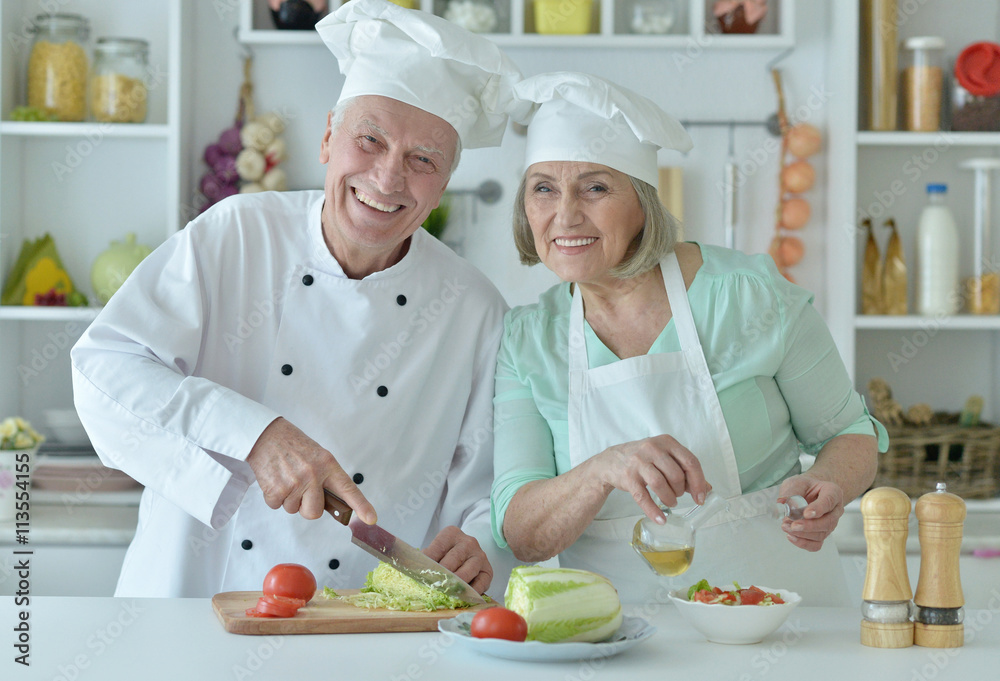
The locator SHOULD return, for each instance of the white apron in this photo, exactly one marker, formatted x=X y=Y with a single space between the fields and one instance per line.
x=672 y=393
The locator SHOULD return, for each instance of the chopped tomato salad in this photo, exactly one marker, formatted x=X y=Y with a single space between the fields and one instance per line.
x=702 y=592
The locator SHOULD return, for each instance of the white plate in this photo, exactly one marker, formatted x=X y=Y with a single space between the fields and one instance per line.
x=632 y=630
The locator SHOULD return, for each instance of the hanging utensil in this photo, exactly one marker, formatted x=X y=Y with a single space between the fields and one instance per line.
x=729 y=192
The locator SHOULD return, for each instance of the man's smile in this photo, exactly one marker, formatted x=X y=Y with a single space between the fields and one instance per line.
x=369 y=201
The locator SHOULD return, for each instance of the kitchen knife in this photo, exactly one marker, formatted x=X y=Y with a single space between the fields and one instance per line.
x=391 y=549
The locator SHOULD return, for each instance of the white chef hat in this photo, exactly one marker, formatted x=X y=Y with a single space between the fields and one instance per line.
x=580 y=117
x=425 y=61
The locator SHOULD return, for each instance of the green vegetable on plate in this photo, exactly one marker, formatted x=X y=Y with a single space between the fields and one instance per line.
x=561 y=604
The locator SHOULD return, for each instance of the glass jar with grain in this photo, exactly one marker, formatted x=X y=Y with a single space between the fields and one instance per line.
x=923 y=83
x=975 y=99
x=57 y=65
x=118 y=92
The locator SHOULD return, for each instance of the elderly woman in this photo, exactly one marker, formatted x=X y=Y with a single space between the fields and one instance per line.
x=659 y=370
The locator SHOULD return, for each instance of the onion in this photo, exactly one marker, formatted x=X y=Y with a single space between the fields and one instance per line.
x=212 y=186
x=798 y=177
x=774 y=251
x=225 y=168
x=791 y=249
x=213 y=152
x=804 y=140
x=795 y=213
x=229 y=140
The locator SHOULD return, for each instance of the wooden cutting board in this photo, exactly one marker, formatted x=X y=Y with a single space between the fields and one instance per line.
x=323 y=616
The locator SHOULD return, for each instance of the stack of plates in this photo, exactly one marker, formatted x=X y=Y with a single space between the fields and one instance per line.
x=83 y=474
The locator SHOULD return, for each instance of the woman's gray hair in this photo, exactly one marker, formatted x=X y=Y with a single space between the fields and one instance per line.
x=340 y=111
x=655 y=240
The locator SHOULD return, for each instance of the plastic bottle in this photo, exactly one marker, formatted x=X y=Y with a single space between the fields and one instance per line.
x=937 y=256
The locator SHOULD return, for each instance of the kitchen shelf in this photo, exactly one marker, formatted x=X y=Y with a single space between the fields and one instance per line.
x=940 y=360
x=950 y=323
x=40 y=313
x=690 y=30
x=943 y=138
x=86 y=184
x=264 y=37
x=55 y=129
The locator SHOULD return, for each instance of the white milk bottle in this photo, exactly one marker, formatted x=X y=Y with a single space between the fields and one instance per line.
x=937 y=256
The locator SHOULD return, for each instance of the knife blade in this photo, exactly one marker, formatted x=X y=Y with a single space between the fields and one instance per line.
x=407 y=559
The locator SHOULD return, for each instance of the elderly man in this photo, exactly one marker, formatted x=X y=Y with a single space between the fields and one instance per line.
x=286 y=343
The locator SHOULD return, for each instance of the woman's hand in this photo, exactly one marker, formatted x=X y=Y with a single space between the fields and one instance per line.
x=820 y=517
x=660 y=464
x=461 y=553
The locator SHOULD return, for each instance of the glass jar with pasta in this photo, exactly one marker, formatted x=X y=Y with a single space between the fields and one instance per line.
x=57 y=66
x=118 y=91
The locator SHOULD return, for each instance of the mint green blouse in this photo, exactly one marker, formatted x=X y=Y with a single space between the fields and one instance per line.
x=781 y=382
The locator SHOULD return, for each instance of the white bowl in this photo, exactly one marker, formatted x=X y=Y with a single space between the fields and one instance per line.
x=65 y=426
x=736 y=624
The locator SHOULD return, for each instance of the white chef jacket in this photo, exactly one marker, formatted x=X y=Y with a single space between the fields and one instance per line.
x=245 y=316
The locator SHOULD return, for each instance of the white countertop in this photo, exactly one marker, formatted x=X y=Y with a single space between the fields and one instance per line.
x=152 y=639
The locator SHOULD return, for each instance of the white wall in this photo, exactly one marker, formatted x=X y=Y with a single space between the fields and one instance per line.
x=695 y=83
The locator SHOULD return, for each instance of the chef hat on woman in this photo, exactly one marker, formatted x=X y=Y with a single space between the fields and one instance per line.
x=425 y=61
x=579 y=117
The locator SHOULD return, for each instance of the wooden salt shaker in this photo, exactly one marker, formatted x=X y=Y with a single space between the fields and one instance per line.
x=886 y=607
x=939 y=600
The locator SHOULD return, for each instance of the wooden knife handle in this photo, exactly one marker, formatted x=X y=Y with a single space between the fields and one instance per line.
x=337 y=507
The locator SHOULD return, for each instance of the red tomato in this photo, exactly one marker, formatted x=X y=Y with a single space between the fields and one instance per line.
x=499 y=623
x=751 y=596
x=704 y=596
x=276 y=606
x=290 y=580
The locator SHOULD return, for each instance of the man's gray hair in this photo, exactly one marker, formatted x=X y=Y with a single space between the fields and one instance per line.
x=340 y=111
x=656 y=239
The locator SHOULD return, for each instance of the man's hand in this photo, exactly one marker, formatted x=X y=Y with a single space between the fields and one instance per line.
x=820 y=517
x=460 y=553
x=292 y=470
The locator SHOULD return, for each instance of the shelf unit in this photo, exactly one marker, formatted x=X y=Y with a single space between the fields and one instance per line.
x=86 y=184
x=938 y=360
x=961 y=322
x=693 y=30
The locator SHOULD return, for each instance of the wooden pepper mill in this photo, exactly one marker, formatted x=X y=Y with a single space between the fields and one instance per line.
x=886 y=607
x=939 y=600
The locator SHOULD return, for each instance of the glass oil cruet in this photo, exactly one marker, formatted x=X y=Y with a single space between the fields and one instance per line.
x=668 y=549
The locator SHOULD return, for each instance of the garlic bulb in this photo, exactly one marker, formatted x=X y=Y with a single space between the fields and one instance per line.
x=250 y=164
x=272 y=122
x=274 y=180
x=276 y=151
x=254 y=135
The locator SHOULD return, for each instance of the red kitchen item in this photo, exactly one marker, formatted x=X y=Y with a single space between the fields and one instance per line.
x=977 y=69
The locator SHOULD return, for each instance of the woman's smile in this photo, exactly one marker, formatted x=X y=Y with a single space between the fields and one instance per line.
x=574 y=245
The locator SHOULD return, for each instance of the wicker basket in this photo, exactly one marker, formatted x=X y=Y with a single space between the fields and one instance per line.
x=966 y=458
